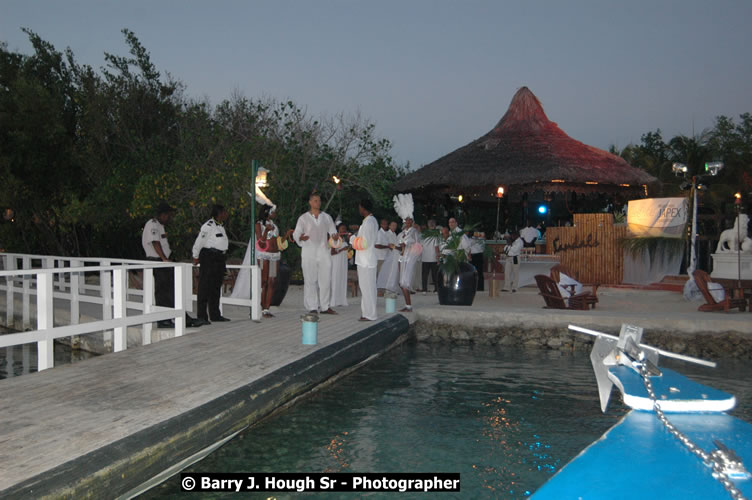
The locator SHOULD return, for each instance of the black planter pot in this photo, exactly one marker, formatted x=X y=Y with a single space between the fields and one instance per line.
x=458 y=289
x=281 y=284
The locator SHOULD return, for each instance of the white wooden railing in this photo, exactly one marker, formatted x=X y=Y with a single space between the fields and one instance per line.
x=50 y=277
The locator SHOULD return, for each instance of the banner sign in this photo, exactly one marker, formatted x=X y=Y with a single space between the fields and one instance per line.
x=664 y=217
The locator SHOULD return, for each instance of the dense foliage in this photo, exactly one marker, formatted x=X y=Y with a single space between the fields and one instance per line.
x=87 y=155
x=727 y=141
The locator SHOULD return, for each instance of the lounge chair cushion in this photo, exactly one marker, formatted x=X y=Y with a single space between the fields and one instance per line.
x=565 y=287
x=717 y=291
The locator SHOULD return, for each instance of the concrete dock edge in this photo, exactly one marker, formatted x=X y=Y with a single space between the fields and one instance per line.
x=118 y=468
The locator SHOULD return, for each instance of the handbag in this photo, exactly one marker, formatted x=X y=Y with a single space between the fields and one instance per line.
x=267 y=246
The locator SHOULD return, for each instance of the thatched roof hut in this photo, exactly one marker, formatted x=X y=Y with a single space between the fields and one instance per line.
x=526 y=152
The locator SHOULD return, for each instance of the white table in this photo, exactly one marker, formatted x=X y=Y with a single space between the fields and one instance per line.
x=537 y=264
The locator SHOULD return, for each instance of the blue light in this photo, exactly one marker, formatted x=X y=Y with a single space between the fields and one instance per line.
x=542 y=209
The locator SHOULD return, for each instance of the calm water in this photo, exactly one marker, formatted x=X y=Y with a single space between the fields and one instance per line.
x=506 y=420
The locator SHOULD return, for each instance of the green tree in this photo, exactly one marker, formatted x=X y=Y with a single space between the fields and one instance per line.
x=38 y=157
x=88 y=154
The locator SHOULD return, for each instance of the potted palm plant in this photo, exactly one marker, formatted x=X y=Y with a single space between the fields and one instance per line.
x=458 y=278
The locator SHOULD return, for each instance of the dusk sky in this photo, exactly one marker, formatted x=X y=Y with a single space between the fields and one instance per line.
x=434 y=75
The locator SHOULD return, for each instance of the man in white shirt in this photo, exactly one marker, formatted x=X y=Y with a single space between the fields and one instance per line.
x=512 y=264
x=529 y=235
x=453 y=227
x=312 y=234
x=210 y=250
x=430 y=259
x=367 y=260
x=477 y=245
x=444 y=242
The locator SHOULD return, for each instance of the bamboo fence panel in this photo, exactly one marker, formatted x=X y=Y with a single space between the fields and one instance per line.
x=590 y=249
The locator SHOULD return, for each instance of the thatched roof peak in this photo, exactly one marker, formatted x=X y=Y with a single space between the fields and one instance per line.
x=525 y=148
x=525 y=114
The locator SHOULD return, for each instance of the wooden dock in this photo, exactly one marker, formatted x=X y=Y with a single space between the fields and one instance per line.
x=102 y=427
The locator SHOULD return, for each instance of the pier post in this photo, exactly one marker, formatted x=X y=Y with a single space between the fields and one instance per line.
x=181 y=272
x=255 y=293
x=105 y=289
x=26 y=298
x=148 y=304
x=45 y=320
x=10 y=265
x=119 y=288
x=75 y=291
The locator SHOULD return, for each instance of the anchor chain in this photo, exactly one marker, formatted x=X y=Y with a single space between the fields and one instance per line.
x=718 y=460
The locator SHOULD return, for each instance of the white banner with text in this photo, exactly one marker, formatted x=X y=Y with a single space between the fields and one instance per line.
x=664 y=217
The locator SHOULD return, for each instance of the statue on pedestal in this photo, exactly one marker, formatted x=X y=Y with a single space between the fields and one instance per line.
x=736 y=238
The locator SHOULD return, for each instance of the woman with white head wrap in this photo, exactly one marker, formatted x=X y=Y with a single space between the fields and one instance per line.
x=407 y=241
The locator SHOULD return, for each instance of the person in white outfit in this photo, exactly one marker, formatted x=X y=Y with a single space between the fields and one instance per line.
x=388 y=278
x=477 y=246
x=430 y=259
x=512 y=264
x=312 y=234
x=339 y=248
x=407 y=241
x=268 y=255
x=382 y=244
x=415 y=283
x=367 y=260
x=453 y=227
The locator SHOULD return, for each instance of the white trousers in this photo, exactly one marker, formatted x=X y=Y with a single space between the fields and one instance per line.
x=317 y=276
x=339 y=280
x=511 y=274
x=367 y=284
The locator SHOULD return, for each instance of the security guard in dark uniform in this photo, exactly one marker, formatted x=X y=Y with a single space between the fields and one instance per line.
x=210 y=251
x=157 y=248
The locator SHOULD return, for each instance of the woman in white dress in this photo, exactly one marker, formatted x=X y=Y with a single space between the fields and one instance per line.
x=267 y=257
x=410 y=251
x=339 y=249
x=388 y=278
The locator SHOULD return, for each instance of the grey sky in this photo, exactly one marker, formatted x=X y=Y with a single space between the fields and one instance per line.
x=434 y=75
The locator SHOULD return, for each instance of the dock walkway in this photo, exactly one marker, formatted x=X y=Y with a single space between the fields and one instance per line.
x=102 y=427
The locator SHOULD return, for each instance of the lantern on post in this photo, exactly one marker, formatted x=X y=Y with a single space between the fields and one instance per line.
x=338 y=183
x=499 y=196
x=258 y=174
x=698 y=182
x=738 y=209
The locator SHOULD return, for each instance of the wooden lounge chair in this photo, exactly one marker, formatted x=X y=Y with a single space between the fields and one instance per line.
x=702 y=279
x=559 y=269
x=549 y=289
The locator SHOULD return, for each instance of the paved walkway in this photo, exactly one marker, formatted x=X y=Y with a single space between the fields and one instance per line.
x=56 y=416
x=651 y=309
x=50 y=418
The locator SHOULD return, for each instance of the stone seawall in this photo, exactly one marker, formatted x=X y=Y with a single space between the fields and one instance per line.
x=482 y=330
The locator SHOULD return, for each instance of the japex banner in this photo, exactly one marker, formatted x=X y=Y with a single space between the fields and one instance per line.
x=664 y=217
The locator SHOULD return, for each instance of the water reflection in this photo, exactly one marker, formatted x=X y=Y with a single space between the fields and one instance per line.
x=505 y=420
x=22 y=359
